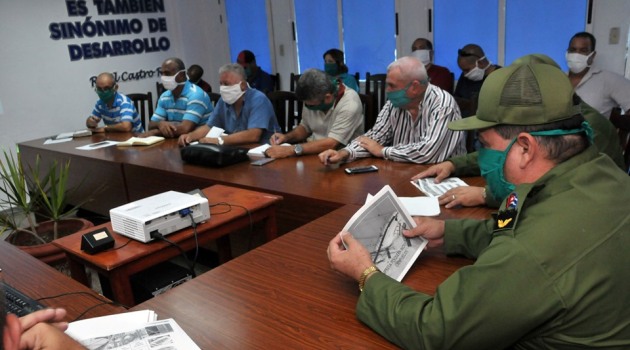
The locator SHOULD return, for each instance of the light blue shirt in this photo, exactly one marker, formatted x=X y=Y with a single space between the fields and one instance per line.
x=257 y=113
x=193 y=104
x=122 y=110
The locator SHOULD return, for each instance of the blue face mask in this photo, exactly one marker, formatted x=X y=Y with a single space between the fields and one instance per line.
x=399 y=98
x=491 y=162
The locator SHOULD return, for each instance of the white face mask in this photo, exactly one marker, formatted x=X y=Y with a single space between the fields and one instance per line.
x=231 y=93
x=477 y=74
x=169 y=81
x=423 y=55
x=577 y=62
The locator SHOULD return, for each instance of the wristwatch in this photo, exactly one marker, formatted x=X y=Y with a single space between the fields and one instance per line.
x=298 y=149
x=220 y=140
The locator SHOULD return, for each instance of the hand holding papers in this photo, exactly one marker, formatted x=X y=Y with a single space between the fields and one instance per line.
x=378 y=225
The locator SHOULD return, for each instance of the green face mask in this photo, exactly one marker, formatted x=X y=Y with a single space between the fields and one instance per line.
x=106 y=95
x=491 y=162
x=324 y=107
x=331 y=69
x=399 y=98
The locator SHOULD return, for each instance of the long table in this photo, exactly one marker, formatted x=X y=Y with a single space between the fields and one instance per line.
x=284 y=295
x=38 y=280
x=129 y=256
x=309 y=188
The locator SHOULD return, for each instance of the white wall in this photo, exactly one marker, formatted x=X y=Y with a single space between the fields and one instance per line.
x=43 y=92
x=609 y=14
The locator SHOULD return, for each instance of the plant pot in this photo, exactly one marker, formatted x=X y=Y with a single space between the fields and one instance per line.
x=48 y=252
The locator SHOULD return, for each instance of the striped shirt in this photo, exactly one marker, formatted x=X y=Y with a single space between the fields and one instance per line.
x=193 y=104
x=427 y=140
x=122 y=110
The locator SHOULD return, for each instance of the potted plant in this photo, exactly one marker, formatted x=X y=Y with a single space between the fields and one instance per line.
x=35 y=206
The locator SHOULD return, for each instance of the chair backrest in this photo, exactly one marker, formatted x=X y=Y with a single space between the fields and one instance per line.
x=287 y=108
x=369 y=112
x=144 y=106
x=294 y=80
x=467 y=108
x=622 y=123
x=275 y=78
x=214 y=97
x=375 y=86
x=160 y=90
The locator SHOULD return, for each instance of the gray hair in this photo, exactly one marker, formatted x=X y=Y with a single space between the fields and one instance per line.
x=314 y=84
x=410 y=69
x=233 y=68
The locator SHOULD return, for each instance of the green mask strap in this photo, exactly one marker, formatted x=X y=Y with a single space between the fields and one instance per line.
x=585 y=128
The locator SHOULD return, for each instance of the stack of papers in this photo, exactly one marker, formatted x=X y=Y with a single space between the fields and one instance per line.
x=136 y=330
x=141 y=141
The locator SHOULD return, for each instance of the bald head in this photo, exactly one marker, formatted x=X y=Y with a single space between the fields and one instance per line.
x=470 y=53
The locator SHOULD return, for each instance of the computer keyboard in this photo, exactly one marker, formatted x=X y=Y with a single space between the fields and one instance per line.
x=19 y=303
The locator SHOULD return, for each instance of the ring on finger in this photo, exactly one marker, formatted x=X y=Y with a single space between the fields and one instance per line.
x=453 y=197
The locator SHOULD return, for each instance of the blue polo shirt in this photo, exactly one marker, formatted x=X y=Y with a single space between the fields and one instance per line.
x=257 y=113
x=193 y=104
x=122 y=110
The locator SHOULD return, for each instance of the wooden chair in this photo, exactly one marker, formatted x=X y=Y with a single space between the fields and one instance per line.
x=375 y=86
x=214 y=97
x=294 y=80
x=369 y=112
x=160 y=90
x=275 y=78
x=144 y=106
x=622 y=123
x=287 y=108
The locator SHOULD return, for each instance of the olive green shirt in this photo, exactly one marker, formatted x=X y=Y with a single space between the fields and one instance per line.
x=555 y=276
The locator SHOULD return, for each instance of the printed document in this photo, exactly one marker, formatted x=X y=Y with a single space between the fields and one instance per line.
x=431 y=189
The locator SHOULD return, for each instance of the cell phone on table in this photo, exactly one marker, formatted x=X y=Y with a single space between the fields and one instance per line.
x=263 y=161
x=361 y=169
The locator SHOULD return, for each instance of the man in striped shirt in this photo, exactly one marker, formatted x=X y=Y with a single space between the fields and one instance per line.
x=411 y=127
x=182 y=107
x=115 y=109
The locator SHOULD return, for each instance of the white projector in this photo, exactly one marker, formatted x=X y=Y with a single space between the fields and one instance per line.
x=163 y=213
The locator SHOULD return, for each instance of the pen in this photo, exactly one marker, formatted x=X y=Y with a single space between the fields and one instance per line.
x=275 y=138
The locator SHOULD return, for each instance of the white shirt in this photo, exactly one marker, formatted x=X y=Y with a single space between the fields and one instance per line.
x=604 y=90
x=425 y=140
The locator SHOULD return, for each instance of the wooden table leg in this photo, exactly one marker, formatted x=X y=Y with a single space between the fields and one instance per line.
x=121 y=288
x=77 y=271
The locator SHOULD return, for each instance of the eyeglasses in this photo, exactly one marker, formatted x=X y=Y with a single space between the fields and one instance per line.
x=466 y=54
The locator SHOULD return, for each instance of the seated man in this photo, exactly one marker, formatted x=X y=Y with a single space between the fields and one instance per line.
x=114 y=108
x=411 y=127
x=245 y=114
x=331 y=117
x=422 y=49
x=183 y=107
x=605 y=138
x=41 y=329
x=475 y=68
x=601 y=89
x=256 y=77
x=195 y=72
x=551 y=267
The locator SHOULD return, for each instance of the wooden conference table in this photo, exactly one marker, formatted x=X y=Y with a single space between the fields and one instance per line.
x=283 y=295
x=129 y=257
x=309 y=188
x=38 y=280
